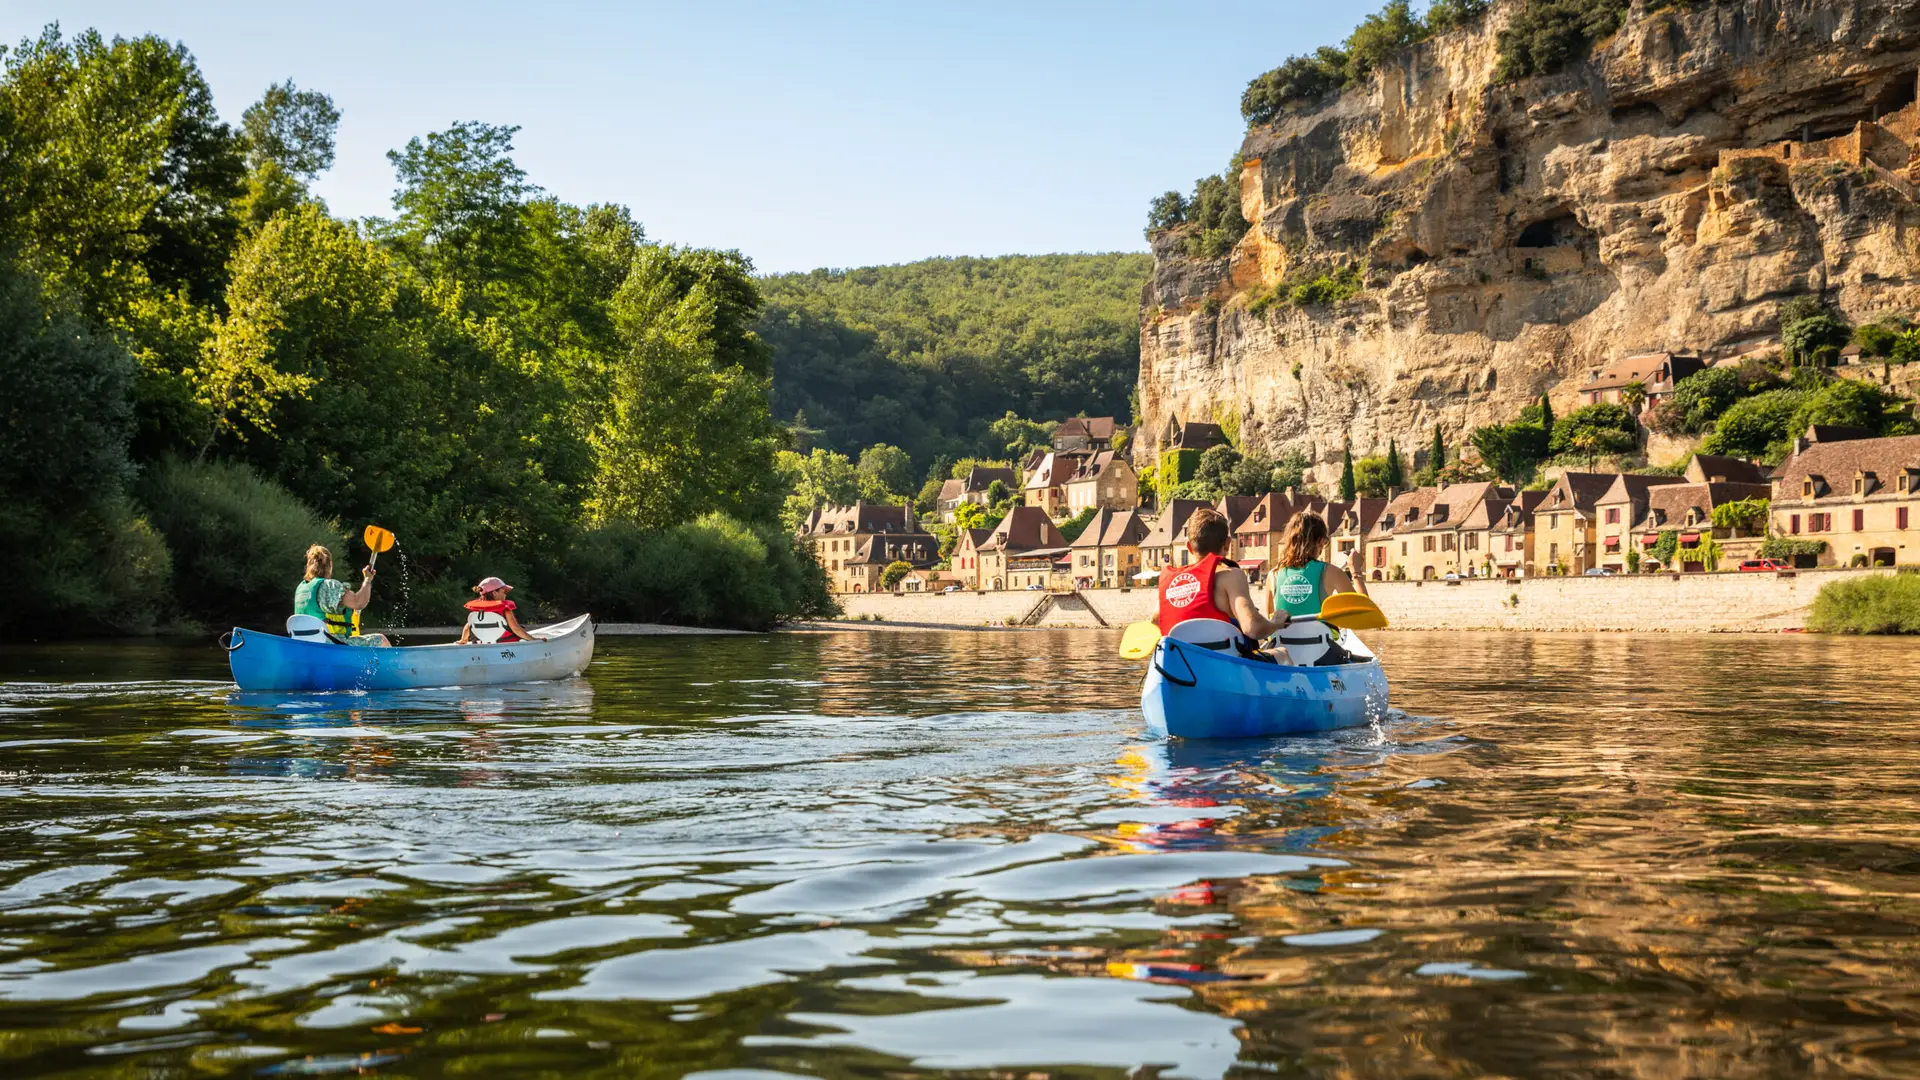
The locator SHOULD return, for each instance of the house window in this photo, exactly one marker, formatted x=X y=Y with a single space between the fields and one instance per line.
x=1794 y=525
x=1446 y=542
x=1859 y=518
x=1473 y=541
x=1553 y=521
x=1379 y=556
x=1509 y=543
x=1403 y=547
x=1428 y=544
x=1613 y=515
x=1899 y=517
x=1806 y=489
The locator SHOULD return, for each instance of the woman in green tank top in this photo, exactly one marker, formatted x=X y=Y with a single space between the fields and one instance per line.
x=1302 y=581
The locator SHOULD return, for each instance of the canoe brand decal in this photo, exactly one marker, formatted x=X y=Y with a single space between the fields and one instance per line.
x=1294 y=592
x=1184 y=589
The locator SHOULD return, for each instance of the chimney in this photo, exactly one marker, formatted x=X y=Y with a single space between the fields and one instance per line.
x=1800 y=445
x=910 y=514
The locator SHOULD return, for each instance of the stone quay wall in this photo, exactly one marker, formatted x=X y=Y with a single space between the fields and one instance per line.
x=1712 y=603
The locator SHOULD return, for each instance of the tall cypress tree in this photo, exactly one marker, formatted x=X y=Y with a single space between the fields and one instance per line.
x=1439 y=452
x=1396 y=472
x=1546 y=417
x=1347 y=485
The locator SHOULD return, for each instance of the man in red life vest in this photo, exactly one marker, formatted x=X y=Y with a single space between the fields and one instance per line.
x=1212 y=588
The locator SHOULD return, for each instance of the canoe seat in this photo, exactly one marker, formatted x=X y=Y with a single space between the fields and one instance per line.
x=306 y=628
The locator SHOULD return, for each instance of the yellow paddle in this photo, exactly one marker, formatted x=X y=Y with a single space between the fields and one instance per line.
x=378 y=540
x=1348 y=611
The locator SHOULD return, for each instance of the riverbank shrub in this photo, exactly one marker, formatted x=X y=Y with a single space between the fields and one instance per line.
x=238 y=541
x=1868 y=605
x=714 y=571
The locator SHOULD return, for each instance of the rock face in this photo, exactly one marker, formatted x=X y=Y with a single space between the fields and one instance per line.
x=1708 y=162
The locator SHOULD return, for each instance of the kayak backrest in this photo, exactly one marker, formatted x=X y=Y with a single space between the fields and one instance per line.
x=1206 y=633
x=306 y=628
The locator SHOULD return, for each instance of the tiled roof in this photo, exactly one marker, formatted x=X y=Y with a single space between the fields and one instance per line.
x=1055 y=469
x=1195 y=435
x=1365 y=512
x=1235 y=509
x=1091 y=467
x=1578 y=491
x=1837 y=463
x=1171 y=522
x=1631 y=489
x=1025 y=528
x=919 y=549
x=1668 y=505
x=981 y=477
x=951 y=490
x=1093 y=427
x=1649 y=369
x=1111 y=528
x=861 y=517
x=1707 y=467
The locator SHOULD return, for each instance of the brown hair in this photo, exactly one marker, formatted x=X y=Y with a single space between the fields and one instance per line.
x=1208 y=531
x=319 y=561
x=1306 y=534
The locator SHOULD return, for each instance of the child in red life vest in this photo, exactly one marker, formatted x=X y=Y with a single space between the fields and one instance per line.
x=490 y=619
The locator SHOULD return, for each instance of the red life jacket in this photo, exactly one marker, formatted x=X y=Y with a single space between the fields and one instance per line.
x=1187 y=593
x=496 y=608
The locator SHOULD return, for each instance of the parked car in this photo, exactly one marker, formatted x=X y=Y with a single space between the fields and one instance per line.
x=1756 y=566
x=1602 y=571
x=951 y=588
x=1451 y=576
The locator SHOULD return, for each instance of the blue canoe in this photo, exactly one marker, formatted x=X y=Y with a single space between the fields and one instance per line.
x=1197 y=693
x=263 y=661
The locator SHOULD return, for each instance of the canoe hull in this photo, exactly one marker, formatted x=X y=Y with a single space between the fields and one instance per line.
x=1230 y=697
x=262 y=661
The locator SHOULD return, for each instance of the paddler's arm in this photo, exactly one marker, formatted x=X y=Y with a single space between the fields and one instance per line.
x=513 y=624
x=1335 y=580
x=358 y=598
x=1230 y=584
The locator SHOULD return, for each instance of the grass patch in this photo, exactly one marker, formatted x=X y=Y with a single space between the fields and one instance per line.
x=1874 y=605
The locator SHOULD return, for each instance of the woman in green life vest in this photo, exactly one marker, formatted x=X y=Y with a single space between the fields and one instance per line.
x=329 y=601
x=1300 y=583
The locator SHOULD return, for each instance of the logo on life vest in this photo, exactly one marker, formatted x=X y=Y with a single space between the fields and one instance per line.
x=1184 y=590
x=1295 y=592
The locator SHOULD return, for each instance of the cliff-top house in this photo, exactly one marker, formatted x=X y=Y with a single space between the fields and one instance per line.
x=1858 y=496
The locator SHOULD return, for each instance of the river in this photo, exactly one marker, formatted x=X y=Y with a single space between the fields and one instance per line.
x=896 y=854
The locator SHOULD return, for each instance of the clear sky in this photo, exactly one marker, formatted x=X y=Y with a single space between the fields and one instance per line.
x=805 y=134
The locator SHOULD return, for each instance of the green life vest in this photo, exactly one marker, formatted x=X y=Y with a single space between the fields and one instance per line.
x=1296 y=589
x=307 y=602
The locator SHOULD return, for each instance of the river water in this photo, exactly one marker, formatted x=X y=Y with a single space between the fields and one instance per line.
x=891 y=854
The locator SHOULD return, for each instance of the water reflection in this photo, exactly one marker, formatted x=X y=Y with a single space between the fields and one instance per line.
x=921 y=853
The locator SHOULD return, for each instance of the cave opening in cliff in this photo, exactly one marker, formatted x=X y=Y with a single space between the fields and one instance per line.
x=1896 y=95
x=1563 y=230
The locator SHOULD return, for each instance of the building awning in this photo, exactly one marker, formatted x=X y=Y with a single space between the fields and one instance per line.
x=1250 y=564
x=1147 y=575
x=1689 y=539
x=1650 y=540
x=1613 y=543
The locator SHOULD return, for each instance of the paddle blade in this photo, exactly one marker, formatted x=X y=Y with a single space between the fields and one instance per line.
x=1139 y=640
x=377 y=538
x=1352 y=611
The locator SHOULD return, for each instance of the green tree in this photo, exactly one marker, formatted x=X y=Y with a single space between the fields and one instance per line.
x=891 y=576
x=1396 y=469
x=813 y=480
x=970 y=516
x=1594 y=430
x=291 y=128
x=1758 y=427
x=999 y=495
x=886 y=473
x=1348 y=484
x=1015 y=438
x=1513 y=451
x=1370 y=477
x=1075 y=526
x=1437 y=454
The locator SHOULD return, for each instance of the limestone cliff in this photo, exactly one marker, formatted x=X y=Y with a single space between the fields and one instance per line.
x=1707 y=162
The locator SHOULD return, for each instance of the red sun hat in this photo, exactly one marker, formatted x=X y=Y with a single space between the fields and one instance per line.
x=488 y=585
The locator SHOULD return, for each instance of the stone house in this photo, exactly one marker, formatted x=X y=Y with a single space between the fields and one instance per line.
x=1166 y=539
x=1356 y=521
x=1657 y=373
x=1020 y=551
x=1103 y=481
x=1621 y=513
x=1688 y=510
x=839 y=539
x=973 y=488
x=1107 y=554
x=1510 y=537
x=964 y=560
x=1421 y=531
x=1566 y=524
x=1085 y=433
x=1256 y=538
x=1856 y=495
x=1045 y=487
x=930 y=581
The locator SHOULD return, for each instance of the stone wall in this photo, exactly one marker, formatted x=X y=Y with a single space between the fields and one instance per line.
x=1690 y=602
x=1728 y=603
